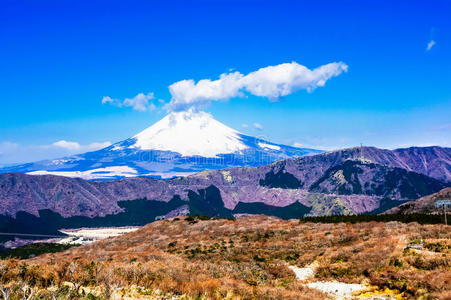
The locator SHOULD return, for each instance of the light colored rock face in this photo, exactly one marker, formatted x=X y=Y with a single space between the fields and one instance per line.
x=339 y=290
x=303 y=273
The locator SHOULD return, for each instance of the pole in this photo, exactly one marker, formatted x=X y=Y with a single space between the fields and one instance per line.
x=444 y=212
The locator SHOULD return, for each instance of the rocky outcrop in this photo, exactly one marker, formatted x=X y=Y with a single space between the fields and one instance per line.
x=424 y=205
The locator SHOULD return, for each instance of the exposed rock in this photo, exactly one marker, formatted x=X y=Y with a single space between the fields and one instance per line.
x=349 y=181
x=424 y=205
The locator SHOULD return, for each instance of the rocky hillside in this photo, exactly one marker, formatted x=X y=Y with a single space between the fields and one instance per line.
x=355 y=180
x=356 y=177
x=434 y=162
x=424 y=205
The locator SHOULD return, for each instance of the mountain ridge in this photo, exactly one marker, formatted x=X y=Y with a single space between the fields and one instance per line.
x=423 y=205
x=342 y=182
x=180 y=144
x=278 y=184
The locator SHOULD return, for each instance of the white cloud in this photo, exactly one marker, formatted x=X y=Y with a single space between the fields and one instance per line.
x=140 y=102
x=74 y=146
x=107 y=99
x=186 y=93
x=258 y=126
x=16 y=153
x=271 y=82
x=430 y=45
x=67 y=145
x=274 y=82
x=244 y=125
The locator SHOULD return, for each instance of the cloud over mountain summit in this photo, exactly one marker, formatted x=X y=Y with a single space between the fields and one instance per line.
x=271 y=82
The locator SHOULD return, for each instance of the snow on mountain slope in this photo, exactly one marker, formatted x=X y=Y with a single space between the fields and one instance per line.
x=268 y=146
x=180 y=144
x=190 y=134
x=100 y=173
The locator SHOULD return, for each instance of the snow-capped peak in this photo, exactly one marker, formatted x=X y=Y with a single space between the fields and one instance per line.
x=190 y=133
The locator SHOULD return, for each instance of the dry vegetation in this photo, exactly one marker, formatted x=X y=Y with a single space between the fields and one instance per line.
x=247 y=258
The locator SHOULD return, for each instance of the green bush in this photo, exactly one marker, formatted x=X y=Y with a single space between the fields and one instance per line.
x=419 y=218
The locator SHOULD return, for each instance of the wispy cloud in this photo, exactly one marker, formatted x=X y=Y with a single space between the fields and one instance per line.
x=430 y=45
x=322 y=143
x=16 y=153
x=140 y=102
x=258 y=126
x=271 y=82
x=67 y=145
x=74 y=146
x=7 y=147
x=446 y=126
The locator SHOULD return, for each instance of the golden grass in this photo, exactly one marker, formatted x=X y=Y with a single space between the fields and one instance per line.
x=248 y=259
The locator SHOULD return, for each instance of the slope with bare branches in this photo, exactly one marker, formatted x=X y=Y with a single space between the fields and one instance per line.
x=248 y=258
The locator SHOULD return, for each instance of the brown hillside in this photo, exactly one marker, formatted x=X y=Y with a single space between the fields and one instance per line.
x=424 y=205
x=248 y=259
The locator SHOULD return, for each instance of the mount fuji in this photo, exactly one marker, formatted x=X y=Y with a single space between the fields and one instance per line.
x=180 y=144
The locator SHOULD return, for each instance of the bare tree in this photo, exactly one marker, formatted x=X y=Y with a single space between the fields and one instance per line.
x=28 y=292
x=76 y=277
x=110 y=283
x=6 y=292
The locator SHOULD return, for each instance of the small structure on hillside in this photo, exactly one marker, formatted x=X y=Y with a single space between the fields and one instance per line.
x=157 y=218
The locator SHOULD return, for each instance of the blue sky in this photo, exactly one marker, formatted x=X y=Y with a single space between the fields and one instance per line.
x=60 y=58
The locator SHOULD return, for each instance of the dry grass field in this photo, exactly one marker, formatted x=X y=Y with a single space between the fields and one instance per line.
x=247 y=258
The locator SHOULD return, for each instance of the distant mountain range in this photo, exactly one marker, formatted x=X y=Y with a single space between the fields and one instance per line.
x=180 y=144
x=356 y=180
